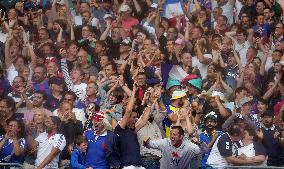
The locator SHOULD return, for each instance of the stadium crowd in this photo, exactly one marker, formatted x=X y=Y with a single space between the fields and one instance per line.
x=141 y=84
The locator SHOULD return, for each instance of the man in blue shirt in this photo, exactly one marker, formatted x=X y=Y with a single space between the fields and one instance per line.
x=96 y=136
x=210 y=135
x=40 y=81
x=272 y=140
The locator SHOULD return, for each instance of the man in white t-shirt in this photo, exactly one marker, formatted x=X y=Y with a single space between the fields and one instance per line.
x=50 y=144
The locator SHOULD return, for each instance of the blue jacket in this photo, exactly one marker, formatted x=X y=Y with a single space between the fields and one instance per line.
x=78 y=159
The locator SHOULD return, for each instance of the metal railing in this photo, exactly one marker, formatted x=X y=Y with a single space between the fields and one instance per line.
x=10 y=166
x=253 y=167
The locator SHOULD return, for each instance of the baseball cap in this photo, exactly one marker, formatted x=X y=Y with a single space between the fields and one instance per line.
x=220 y=94
x=124 y=8
x=126 y=42
x=178 y=94
x=106 y=16
x=244 y=100
x=154 y=5
x=212 y=115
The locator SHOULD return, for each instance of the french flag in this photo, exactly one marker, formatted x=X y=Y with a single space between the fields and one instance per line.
x=172 y=7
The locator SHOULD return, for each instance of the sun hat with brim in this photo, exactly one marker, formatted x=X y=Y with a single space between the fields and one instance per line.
x=212 y=115
x=172 y=83
x=178 y=94
x=197 y=83
x=244 y=101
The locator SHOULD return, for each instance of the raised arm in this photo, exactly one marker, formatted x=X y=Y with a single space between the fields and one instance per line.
x=200 y=55
x=106 y=32
x=148 y=110
x=32 y=55
x=8 y=60
x=59 y=36
x=128 y=110
x=137 y=6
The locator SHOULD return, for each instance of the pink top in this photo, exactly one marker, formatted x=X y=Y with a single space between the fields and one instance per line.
x=129 y=23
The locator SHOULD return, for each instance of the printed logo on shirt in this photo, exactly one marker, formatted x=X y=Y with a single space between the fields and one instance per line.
x=227 y=145
x=174 y=160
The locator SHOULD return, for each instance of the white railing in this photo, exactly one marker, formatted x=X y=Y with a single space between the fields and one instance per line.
x=10 y=166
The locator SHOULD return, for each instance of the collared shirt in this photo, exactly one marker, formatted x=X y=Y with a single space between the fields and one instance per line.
x=222 y=148
x=242 y=49
x=204 y=137
x=274 y=150
x=7 y=151
x=45 y=146
x=96 y=156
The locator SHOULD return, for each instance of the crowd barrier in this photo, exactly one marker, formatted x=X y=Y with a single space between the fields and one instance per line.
x=10 y=166
x=253 y=167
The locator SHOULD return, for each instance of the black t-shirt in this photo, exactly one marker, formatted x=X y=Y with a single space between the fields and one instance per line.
x=273 y=149
x=113 y=48
x=128 y=145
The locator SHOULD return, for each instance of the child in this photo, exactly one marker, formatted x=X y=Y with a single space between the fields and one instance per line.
x=75 y=82
x=78 y=156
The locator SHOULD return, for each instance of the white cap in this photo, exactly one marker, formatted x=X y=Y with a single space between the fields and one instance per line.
x=220 y=94
x=124 y=8
x=61 y=2
x=154 y=5
x=108 y=16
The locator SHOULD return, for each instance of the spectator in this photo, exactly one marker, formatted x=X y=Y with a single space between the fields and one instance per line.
x=7 y=109
x=221 y=56
x=13 y=143
x=38 y=101
x=33 y=129
x=223 y=149
x=71 y=97
x=78 y=156
x=173 y=155
x=210 y=135
x=48 y=154
x=271 y=138
x=71 y=128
